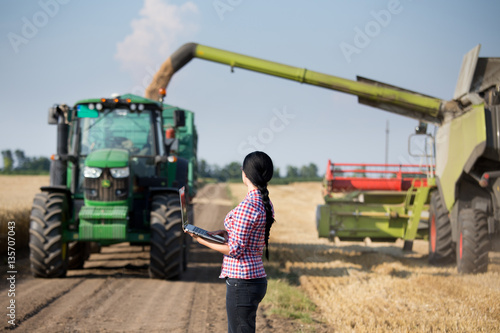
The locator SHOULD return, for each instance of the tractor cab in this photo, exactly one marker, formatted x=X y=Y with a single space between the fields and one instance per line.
x=117 y=140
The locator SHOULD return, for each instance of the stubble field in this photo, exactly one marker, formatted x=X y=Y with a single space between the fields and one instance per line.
x=376 y=288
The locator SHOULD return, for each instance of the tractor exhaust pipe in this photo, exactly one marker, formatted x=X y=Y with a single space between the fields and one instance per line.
x=59 y=163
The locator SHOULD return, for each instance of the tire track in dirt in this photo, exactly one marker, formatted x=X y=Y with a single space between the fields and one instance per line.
x=46 y=301
x=74 y=307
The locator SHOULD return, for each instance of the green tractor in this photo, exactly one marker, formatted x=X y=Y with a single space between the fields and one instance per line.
x=120 y=163
x=465 y=203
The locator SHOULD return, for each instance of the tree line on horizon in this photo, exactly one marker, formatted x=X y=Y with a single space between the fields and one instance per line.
x=18 y=162
x=232 y=171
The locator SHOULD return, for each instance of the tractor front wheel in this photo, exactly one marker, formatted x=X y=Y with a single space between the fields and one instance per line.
x=167 y=238
x=47 y=250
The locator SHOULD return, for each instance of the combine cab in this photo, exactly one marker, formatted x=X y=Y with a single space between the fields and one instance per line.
x=382 y=202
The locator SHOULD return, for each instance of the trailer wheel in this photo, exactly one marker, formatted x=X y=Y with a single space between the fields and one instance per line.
x=47 y=250
x=473 y=241
x=167 y=238
x=78 y=252
x=441 y=249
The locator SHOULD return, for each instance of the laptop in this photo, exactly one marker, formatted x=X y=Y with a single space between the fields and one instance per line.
x=191 y=228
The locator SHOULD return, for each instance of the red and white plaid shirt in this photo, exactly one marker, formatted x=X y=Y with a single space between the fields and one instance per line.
x=245 y=225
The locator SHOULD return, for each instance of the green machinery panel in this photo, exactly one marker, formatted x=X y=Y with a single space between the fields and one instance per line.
x=106 y=223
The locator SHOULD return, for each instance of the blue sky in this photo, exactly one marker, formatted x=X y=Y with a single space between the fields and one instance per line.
x=61 y=51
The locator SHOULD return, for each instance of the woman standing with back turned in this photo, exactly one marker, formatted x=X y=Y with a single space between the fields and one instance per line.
x=247 y=233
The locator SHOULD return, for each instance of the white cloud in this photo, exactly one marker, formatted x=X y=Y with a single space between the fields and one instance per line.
x=155 y=33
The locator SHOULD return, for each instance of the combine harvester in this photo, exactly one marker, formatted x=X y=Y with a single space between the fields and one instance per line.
x=465 y=204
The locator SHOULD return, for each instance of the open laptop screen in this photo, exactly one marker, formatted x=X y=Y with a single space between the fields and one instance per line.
x=191 y=228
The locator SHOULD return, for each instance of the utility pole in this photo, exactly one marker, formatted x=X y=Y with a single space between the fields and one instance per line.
x=387 y=142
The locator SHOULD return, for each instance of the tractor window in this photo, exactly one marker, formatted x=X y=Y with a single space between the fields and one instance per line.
x=118 y=128
x=159 y=130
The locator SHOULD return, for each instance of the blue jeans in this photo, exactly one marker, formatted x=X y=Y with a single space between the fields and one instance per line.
x=242 y=300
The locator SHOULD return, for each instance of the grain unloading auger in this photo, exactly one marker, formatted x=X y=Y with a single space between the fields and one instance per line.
x=465 y=207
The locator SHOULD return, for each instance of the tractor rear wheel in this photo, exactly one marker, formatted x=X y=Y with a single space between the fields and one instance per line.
x=473 y=241
x=441 y=249
x=167 y=238
x=47 y=250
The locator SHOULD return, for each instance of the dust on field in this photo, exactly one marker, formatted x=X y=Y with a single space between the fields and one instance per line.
x=379 y=287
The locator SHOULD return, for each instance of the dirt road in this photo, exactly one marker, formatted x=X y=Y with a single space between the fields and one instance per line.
x=113 y=293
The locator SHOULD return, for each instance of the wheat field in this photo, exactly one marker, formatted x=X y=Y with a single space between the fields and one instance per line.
x=16 y=197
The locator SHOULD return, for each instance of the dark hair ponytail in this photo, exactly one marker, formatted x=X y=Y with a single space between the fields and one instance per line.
x=259 y=169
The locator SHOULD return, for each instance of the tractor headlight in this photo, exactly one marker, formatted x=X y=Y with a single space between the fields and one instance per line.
x=120 y=172
x=89 y=172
